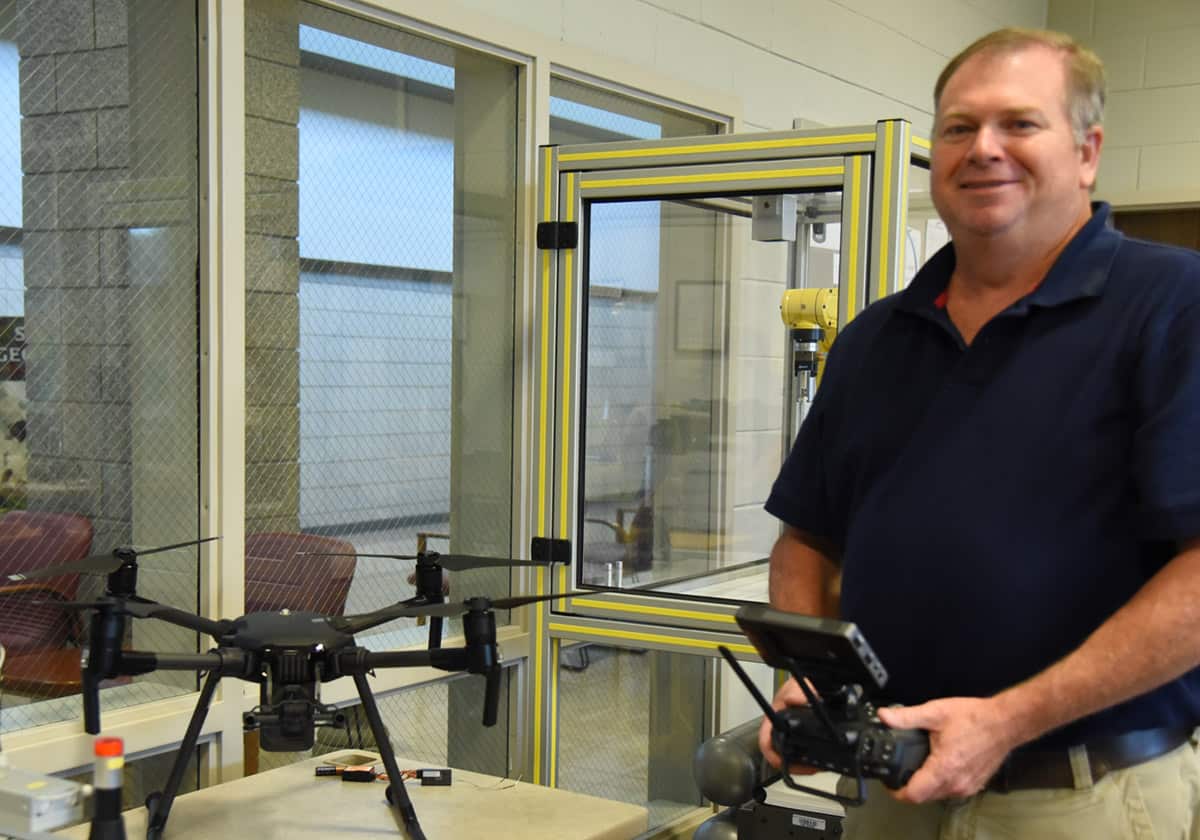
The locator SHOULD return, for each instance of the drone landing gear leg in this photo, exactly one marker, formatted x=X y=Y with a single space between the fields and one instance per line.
x=399 y=794
x=158 y=804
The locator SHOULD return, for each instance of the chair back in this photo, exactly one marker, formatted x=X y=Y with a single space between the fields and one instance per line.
x=276 y=578
x=30 y=540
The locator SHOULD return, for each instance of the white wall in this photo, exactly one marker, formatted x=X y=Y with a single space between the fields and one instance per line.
x=1152 y=122
x=844 y=62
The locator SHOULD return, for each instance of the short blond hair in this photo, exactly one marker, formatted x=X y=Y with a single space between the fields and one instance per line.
x=1085 y=71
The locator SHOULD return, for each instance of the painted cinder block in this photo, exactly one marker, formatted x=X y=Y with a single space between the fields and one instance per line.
x=272 y=91
x=93 y=79
x=272 y=264
x=36 y=84
x=272 y=31
x=58 y=142
x=1169 y=166
x=1172 y=57
x=54 y=26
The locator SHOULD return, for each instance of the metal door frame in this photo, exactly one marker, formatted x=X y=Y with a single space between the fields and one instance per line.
x=869 y=164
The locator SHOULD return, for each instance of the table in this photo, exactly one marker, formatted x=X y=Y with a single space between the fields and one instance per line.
x=290 y=802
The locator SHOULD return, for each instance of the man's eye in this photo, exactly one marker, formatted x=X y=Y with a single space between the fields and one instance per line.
x=957 y=130
x=1023 y=125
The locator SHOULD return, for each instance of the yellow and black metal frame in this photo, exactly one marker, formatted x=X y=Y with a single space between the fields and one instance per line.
x=867 y=164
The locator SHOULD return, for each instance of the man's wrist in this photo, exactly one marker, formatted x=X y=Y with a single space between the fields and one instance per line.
x=1027 y=711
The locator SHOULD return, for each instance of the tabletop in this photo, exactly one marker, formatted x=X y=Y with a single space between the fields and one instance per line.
x=291 y=802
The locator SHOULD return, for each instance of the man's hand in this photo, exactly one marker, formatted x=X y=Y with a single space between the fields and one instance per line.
x=969 y=738
x=789 y=694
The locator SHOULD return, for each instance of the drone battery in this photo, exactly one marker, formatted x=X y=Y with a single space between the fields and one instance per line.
x=32 y=802
x=430 y=776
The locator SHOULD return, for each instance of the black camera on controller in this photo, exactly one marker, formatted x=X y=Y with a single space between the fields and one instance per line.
x=839 y=729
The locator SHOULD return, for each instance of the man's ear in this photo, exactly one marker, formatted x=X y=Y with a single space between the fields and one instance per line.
x=1089 y=156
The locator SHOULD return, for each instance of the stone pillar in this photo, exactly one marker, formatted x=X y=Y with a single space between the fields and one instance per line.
x=481 y=467
x=272 y=266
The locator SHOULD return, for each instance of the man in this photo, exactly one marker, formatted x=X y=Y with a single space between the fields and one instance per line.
x=1001 y=461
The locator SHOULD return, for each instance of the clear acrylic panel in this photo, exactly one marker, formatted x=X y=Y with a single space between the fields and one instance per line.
x=629 y=723
x=686 y=404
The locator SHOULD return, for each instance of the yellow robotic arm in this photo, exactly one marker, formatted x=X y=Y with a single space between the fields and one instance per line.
x=811 y=315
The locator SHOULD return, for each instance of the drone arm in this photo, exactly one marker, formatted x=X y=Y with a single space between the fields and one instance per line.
x=226 y=662
x=181 y=618
x=360 y=660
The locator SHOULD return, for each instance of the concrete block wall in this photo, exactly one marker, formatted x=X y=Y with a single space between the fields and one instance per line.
x=74 y=83
x=272 y=266
x=1152 y=122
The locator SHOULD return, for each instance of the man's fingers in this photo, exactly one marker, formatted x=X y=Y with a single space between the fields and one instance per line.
x=925 y=716
x=921 y=787
x=764 y=744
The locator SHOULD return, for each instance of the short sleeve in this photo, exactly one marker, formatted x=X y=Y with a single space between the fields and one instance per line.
x=1166 y=444
x=801 y=496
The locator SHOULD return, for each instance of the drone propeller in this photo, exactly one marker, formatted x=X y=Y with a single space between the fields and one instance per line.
x=101 y=564
x=357 y=623
x=449 y=562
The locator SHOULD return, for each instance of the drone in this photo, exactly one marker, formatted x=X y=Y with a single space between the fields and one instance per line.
x=288 y=653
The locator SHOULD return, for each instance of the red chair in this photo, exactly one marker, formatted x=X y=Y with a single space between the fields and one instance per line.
x=30 y=620
x=276 y=578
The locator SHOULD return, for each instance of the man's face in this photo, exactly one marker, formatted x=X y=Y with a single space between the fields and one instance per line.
x=1005 y=160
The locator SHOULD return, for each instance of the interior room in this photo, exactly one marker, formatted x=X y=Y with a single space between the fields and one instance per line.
x=296 y=292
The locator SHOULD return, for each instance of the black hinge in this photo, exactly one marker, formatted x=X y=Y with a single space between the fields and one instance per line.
x=554 y=236
x=547 y=550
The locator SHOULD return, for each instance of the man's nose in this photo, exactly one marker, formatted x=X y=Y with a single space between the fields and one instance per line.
x=987 y=145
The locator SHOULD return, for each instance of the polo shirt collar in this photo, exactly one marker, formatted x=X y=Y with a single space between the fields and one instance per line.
x=1080 y=271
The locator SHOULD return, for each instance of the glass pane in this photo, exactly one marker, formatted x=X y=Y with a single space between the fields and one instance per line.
x=629 y=723
x=381 y=268
x=584 y=114
x=99 y=424
x=684 y=430
x=380 y=350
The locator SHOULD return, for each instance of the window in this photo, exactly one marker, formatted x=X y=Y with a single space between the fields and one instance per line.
x=99 y=420
x=381 y=192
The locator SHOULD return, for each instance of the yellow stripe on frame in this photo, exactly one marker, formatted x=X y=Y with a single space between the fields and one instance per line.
x=568 y=285
x=538 y=673
x=710 y=177
x=737 y=146
x=665 y=611
x=902 y=252
x=704 y=644
x=855 y=223
x=922 y=142
x=544 y=399
x=552 y=775
x=885 y=226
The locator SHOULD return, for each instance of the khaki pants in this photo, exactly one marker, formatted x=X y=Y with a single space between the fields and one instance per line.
x=1157 y=800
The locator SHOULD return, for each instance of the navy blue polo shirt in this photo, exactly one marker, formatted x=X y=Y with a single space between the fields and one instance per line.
x=993 y=504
